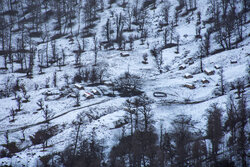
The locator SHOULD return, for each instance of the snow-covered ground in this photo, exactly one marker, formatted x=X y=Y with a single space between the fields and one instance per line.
x=110 y=109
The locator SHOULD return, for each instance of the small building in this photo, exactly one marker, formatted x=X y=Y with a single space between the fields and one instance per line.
x=217 y=66
x=51 y=92
x=187 y=76
x=88 y=95
x=182 y=67
x=190 y=86
x=95 y=92
x=124 y=55
x=209 y=72
x=233 y=61
x=204 y=81
x=79 y=86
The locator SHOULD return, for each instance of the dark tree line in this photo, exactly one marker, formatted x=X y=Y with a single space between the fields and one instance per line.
x=223 y=142
x=184 y=144
x=228 y=22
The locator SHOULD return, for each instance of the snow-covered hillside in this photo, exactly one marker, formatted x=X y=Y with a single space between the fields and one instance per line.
x=67 y=69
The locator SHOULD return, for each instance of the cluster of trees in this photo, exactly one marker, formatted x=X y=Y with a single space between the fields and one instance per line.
x=21 y=22
x=183 y=144
x=13 y=87
x=128 y=84
x=40 y=137
x=93 y=74
x=81 y=152
x=228 y=18
x=26 y=25
x=15 y=36
x=133 y=17
x=235 y=125
x=224 y=141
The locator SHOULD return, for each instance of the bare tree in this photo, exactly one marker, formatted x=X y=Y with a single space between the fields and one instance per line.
x=63 y=57
x=198 y=18
x=8 y=86
x=239 y=87
x=101 y=71
x=19 y=103
x=93 y=75
x=119 y=29
x=128 y=107
x=243 y=135
x=146 y=112
x=78 y=123
x=167 y=148
x=136 y=11
x=77 y=58
x=95 y=48
x=47 y=114
x=182 y=133
x=25 y=93
x=171 y=30
x=131 y=42
x=59 y=16
x=214 y=10
x=16 y=87
x=206 y=43
x=77 y=93
x=107 y=30
x=128 y=84
x=176 y=18
x=66 y=78
x=3 y=34
x=198 y=152
x=129 y=14
x=214 y=129
x=142 y=21
x=225 y=31
x=177 y=43
x=12 y=114
x=157 y=53
x=54 y=54
x=165 y=37
x=47 y=36
x=230 y=125
x=166 y=11
x=222 y=84
x=224 y=6
x=6 y=135
x=47 y=80
x=40 y=104
x=55 y=79
x=239 y=26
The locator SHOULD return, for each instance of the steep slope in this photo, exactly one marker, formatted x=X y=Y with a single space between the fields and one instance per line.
x=173 y=68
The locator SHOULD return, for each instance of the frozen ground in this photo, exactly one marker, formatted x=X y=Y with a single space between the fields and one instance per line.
x=110 y=109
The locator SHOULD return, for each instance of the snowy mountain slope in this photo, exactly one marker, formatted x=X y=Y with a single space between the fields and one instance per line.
x=106 y=111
